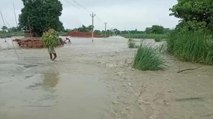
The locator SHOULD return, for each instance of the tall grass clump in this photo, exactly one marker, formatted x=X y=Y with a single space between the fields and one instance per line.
x=148 y=58
x=192 y=46
x=131 y=43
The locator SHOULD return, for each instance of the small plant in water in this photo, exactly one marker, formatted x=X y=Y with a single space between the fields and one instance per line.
x=131 y=43
x=147 y=58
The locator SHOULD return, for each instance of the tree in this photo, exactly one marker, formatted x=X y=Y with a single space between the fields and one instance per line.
x=4 y=28
x=14 y=29
x=194 y=14
x=155 y=29
x=84 y=28
x=40 y=15
x=117 y=32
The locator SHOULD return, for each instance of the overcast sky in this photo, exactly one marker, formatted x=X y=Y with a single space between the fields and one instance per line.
x=120 y=14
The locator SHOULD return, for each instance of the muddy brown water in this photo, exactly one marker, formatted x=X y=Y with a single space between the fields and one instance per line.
x=96 y=81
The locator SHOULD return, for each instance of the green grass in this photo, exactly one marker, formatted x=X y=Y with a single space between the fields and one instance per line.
x=159 y=37
x=148 y=58
x=192 y=46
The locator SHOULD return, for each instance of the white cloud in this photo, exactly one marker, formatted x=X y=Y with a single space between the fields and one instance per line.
x=121 y=14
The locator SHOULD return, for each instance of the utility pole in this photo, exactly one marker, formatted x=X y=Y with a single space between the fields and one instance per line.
x=105 y=29
x=92 y=15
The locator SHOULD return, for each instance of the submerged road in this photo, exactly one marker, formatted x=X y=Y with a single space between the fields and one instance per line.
x=96 y=81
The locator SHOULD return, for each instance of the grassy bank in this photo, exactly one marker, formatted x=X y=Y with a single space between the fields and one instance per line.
x=148 y=58
x=146 y=36
x=192 y=46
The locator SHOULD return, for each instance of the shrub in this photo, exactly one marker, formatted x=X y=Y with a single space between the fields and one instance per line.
x=147 y=58
x=157 y=39
x=194 y=46
x=131 y=44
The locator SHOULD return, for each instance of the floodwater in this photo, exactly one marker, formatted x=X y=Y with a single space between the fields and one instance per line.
x=95 y=81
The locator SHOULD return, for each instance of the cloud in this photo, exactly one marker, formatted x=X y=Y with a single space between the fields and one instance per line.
x=121 y=14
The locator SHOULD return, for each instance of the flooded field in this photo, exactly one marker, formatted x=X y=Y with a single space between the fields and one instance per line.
x=96 y=81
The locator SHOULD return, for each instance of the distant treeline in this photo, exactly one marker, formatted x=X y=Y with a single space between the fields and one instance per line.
x=9 y=32
x=155 y=31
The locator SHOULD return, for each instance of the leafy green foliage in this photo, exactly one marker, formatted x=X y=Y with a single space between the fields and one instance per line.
x=194 y=11
x=85 y=29
x=40 y=15
x=156 y=29
x=148 y=59
x=192 y=39
x=50 y=38
x=4 y=28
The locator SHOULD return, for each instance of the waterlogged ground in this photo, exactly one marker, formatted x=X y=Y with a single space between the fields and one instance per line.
x=96 y=81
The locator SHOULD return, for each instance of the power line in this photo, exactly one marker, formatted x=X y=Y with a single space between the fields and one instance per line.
x=2 y=18
x=67 y=1
x=87 y=10
x=15 y=14
x=77 y=5
x=82 y=7
x=7 y=23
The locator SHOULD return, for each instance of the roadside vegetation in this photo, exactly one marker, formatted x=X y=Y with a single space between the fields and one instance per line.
x=148 y=58
x=192 y=40
x=192 y=46
x=156 y=32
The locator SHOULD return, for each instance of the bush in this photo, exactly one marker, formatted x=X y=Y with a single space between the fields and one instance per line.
x=147 y=58
x=157 y=39
x=194 y=46
x=131 y=44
